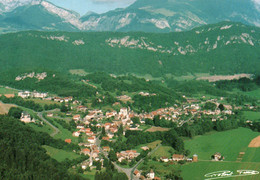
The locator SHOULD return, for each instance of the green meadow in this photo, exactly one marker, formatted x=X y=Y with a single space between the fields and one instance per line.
x=228 y=143
x=251 y=115
x=197 y=171
x=4 y=90
x=59 y=154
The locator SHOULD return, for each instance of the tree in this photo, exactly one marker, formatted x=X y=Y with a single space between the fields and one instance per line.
x=112 y=156
x=120 y=130
x=221 y=107
x=15 y=112
x=63 y=108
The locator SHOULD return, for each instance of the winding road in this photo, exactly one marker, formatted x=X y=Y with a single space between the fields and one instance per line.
x=56 y=130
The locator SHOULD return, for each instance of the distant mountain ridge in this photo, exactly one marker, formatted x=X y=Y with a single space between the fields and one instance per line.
x=223 y=48
x=143 y=15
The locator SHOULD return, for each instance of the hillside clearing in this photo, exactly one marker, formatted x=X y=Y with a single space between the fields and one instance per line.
x=255 y=143
x=59 y=154
x=227 y=77
x=4 y=108
x=155 y=129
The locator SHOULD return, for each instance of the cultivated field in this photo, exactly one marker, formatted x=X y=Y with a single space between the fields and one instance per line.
x=155 y=129
x=255 y=143
x=4 y=108
x=228 y=77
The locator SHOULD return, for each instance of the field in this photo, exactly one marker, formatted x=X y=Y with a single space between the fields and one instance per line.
x=64 y=134
x=229 y=144
x=253 y=116
x=80 y=72
x=155 y=129
x=59 y=154
x=227 y=77
x=42 y=102
x=45 y=128
x=197 y=171
x=255 y=94
x=5 y=90
x=4 y=108
x=151 y=145
x=163 y=151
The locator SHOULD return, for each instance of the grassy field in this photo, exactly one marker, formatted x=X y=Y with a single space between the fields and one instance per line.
x=65 y=134
x=89 y=175
x=228 y=143
x=45 y=128
x=197 y=171
x=255 y=93
x=155 y=129
x=163 y=151
x=80 y=72
x=151 y=145
x=42 y=102
x=4 y=90
x=4 y=108
x=251 y=115
x=59 y=154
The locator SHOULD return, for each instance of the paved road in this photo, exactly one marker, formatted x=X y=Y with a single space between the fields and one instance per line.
x=56 y=130
x=128 y=171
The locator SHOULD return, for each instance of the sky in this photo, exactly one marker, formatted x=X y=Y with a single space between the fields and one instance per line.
x=98 y=6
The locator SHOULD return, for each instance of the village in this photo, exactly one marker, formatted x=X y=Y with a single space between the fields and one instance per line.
x=107 y=124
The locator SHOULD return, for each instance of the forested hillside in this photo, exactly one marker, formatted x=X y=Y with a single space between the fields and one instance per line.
x=224 y=48
x=22 y=155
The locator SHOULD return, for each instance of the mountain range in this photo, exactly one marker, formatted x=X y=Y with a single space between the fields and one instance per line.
x=223 y=48
x=143 y=15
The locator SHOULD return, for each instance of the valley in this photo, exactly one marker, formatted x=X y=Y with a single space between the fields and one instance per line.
x=156 y=90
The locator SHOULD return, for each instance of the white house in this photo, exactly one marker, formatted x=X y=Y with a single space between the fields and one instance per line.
x=151 y=175
x=25 y=117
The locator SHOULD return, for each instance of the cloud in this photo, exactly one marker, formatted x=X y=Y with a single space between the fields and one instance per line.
x=257 y=1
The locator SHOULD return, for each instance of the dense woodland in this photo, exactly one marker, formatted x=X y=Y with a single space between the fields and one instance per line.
x=22 y=155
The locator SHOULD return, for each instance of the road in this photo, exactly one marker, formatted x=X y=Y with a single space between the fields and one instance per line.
x=128 y=171
x=56 y=130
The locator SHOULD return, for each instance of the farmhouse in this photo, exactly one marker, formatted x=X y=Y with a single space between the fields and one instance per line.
x=92 y=140
x=76 y=134
x=137 y=173
x=151 y=174
x=85 y=151
x=106 y=148
x=26 y=118
x=177 y=157
x=76 y=117
x=164 y=159
x=68 y=141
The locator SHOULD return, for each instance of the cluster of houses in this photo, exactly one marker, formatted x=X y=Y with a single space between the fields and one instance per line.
x=34 y=94
x=179 y=157
x=127 y=155
x=149 y=176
